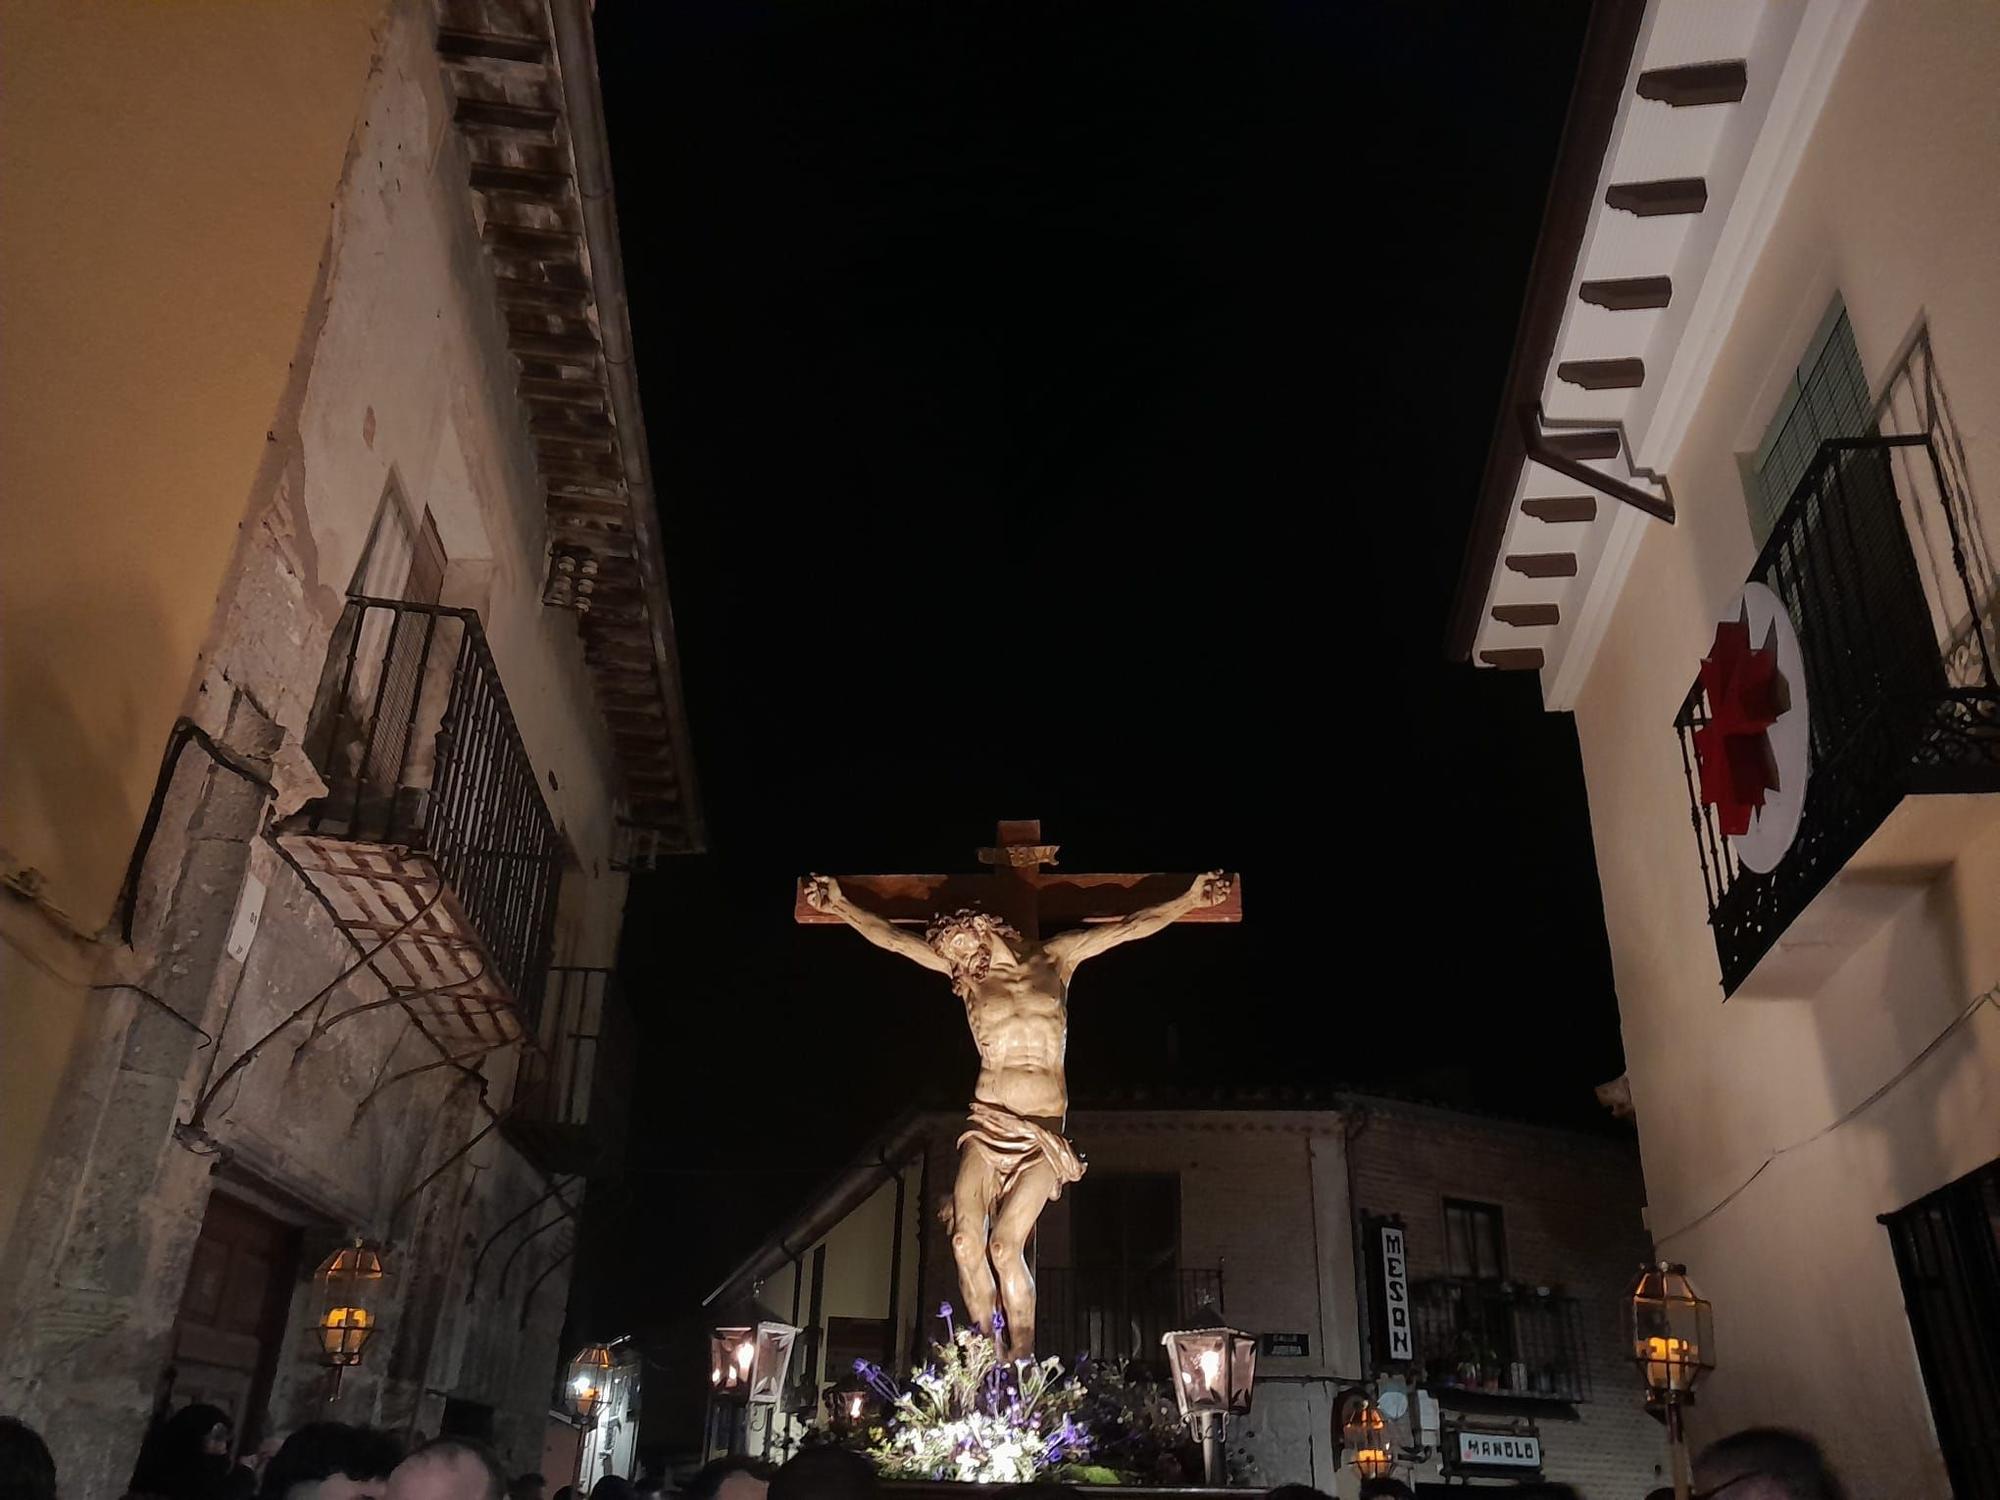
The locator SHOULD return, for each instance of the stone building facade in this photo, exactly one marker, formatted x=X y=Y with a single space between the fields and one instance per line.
x=340 y=969
x=1261 y=1218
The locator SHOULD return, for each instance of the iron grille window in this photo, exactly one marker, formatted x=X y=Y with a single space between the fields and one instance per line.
x=1948 y=1254
x=1827 y=398
x=1886 y=719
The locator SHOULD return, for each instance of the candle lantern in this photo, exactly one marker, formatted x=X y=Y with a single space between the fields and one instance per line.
x=732 y=1352
x=352 y=1282
x=1215 y=1370
x=1671 y=1333
x=749 y=1364
x=851 y=1403
x=588 y=1381
x=1366 y=1439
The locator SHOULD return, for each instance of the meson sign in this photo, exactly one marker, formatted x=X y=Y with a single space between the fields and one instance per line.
x=1396 y=1294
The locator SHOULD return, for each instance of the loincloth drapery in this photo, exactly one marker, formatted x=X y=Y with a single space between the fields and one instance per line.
x=1010 y=1143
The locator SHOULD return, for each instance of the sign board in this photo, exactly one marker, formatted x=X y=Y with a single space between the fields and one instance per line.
x=1287 y=1345
x=1396 y=1295
x=1507 y=1452
x=1499 y=1450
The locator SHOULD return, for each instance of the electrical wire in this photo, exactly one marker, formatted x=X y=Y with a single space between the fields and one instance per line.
x=1985 y=998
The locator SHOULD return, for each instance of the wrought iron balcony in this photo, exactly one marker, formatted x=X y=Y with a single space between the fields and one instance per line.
x=1500 y=1338
x=1871 y=559
x=1113 y=1314
x=432 y=841
x=573 y=1091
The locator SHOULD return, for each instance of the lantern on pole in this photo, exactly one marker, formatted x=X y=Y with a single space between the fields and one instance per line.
x=1365 y=1436
x=1214 y=1372
x=588 y=1381
x=747 y=1367
x=1672 y=1337
x=351 y=1282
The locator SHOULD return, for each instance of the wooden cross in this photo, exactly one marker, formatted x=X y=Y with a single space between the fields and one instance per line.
x=1020 y=890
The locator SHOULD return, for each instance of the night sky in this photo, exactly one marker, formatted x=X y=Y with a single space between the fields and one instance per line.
x=1074 y=411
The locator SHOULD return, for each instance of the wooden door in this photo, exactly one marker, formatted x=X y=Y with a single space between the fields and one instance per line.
x=232 y=1313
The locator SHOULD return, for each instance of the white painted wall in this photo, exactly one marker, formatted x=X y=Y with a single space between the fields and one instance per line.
x=1891 y=206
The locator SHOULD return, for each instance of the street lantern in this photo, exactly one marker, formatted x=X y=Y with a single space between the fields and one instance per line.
x=588 y=1381
x=1366 y=1438
x=1671 y=1333
x=1215 y=1370
x=732 y=1352
x=850 y=1403
x=351 y=1282
x=749 y=1364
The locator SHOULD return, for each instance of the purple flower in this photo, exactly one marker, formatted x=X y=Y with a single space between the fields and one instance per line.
x=999 y=1321
x=944 y=1311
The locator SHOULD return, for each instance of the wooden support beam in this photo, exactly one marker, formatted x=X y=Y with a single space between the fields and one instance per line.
x=1581 y=445
x=1542 y=564
x=1561 y=508
x=498 y=114
x=491 y=44
x=1528 y=614
x=526 y=182
x=1603 y=374
x=1514 y=658
x=1696 y=83
x=1628 y=293
x=1649 y=200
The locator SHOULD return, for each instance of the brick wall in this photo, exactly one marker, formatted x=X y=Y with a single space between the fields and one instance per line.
x=1572 y=1210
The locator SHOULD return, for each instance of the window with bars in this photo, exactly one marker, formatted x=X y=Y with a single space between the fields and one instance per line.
x=1947 y=1249
x=1827 y=397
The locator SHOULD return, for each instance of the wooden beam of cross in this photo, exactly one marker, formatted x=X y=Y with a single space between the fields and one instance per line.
x=1021 y=889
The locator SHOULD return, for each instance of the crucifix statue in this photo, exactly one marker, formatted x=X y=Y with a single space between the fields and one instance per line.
x=985 y=933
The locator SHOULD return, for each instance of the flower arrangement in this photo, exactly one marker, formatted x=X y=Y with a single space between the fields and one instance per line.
x=969 y=1417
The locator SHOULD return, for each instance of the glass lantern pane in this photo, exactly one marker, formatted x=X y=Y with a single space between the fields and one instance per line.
x=773 y=1354
x=1242 y=1371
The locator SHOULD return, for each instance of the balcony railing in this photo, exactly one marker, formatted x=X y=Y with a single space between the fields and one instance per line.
x=1500 y=1338
x=1112 y=1314
x=572 y=1093
x=1899 y=673
x=432 y=838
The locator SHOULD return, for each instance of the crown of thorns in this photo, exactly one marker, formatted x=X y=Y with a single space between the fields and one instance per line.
x=981 y=925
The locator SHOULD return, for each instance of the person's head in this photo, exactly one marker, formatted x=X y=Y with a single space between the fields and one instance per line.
x=27 y=1471
x=331 y=1461
x=1764 y=1463
x=734 y=1478
x=1041 y=1489
x=526 y=1487
x=970 y=941
x=449 y=1468
x=1384 y=1489
x=825 y=1474
x=612 y=1487
x=1298 y=1492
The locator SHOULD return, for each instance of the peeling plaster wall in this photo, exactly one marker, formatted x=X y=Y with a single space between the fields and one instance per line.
x=400 y=377
x=165 y=173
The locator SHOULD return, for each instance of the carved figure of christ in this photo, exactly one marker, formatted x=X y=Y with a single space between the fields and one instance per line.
x=1013 y=1159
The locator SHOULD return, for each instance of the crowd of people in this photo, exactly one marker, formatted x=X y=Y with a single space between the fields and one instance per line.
x=187 y=1457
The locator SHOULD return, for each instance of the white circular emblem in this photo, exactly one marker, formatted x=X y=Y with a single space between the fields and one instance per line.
x=1776 y=823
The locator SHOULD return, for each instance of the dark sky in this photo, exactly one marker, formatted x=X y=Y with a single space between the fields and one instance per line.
x=1074 y=411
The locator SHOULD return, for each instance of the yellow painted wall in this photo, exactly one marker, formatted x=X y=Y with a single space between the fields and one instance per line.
x=1893 y=208
x=168 y=173
x=166 y=178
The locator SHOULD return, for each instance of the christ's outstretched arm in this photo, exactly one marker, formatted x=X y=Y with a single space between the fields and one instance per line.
x=823 y=893
x=1071 y=948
